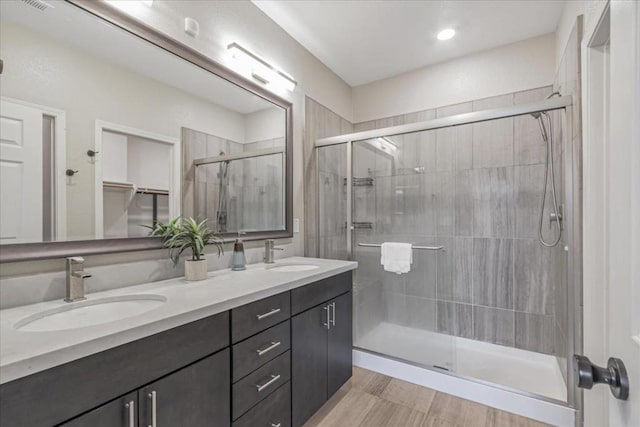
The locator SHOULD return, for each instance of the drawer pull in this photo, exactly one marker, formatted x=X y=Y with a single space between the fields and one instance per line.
x=270 y=313
x=268 y=349
x=131 y=406
x=273 y=379
x=154 y=421
x=275 y=425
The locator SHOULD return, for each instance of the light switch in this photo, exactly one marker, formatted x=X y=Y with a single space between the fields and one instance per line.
x=296 y=225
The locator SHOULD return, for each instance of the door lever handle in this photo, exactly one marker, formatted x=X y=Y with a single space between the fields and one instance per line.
x=615 y=374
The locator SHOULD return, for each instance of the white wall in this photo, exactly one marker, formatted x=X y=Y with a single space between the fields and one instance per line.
x=515 y=67
x=224 y=22
x=263 y=125
x=572 y=9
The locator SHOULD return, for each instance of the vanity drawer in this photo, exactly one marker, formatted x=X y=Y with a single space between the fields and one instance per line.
x=258 y=316
x=254 y=352
x=275 y=410
x=308 y=296
x=260 y=384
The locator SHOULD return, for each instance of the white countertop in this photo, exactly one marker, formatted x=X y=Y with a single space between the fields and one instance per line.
x=25 y=352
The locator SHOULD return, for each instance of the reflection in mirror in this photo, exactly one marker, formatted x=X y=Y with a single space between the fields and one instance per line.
x=92 y=141
x=237 y=186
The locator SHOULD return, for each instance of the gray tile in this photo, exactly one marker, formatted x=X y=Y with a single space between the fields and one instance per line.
x=493 y=202
x=444 y=202
x=421 y=280
x=493 y=143
x=493 y=272
x=393 y=283
x=464 y=203
x=533 y=277
x=426 y=150
x=362 y=126
x=452 y=110
x=454 y=269
x=529 y=183
x=395 y=308
x=426 y=219
x=422 y=313
x=535 y=332
x=455 y=319
x=493 y=325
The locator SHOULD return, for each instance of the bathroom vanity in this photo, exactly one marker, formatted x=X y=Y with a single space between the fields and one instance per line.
x=266 y=346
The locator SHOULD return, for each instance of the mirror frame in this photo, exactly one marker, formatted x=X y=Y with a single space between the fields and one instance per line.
x=102 y=10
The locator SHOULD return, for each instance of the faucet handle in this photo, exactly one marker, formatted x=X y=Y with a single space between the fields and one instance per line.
x=75 y=260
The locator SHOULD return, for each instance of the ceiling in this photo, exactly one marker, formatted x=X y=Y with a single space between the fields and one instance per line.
x=364 y=41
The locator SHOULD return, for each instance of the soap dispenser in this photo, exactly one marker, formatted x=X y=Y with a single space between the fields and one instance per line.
x=238 y=261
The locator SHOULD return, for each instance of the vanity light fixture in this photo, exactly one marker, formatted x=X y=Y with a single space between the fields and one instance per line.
x=386 y=144
x=260 y=69
x=446 y=34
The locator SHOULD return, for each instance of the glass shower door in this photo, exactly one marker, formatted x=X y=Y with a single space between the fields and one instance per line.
x=393 y=200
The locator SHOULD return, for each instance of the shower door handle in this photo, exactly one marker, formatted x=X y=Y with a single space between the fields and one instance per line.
x=615 y=374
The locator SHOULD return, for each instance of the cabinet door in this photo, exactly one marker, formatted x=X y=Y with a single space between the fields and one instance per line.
x=122 y=412
x=198 y=395
x=308 y=363
x=340 y=343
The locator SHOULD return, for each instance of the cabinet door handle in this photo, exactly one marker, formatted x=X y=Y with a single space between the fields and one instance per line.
x=131 y=407
x=333 y=313
x=275 y=425
x=328 y=322
x=273 y=379
x=270 y=313
x=152 y=396
x=268 y=349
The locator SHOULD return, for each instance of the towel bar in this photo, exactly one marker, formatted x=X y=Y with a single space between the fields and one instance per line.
x=428 y=248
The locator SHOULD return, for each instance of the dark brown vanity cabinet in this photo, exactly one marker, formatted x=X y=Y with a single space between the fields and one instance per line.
x=321 y=346
x=197 y=395
x=272 y=362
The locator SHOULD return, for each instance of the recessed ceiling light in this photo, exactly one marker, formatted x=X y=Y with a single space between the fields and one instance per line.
x=446 y=34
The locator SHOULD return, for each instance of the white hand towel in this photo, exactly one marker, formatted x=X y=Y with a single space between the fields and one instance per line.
x=396 y=257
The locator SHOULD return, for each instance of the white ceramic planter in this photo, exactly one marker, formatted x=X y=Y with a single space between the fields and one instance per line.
x=195 y=270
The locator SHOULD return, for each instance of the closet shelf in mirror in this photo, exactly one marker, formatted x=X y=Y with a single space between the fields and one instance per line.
x=130 y=186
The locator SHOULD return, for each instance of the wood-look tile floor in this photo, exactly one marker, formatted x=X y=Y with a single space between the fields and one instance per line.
x=370 y=399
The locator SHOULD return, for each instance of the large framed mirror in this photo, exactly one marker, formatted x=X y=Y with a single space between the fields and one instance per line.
x=109 y=126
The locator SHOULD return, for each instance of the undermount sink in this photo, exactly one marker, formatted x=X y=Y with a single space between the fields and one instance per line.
x=291 y=268
x=90 y=312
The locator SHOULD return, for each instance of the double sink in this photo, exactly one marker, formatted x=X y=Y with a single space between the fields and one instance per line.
x=98 y=311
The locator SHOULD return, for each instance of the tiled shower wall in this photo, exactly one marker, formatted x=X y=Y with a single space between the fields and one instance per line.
x=476 y=190
x=255 y=185
x=320 y=122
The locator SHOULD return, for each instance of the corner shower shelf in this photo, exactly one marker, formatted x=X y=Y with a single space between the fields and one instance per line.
x=360 y=182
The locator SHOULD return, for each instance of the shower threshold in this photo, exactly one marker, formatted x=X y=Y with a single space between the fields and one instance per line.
x=514 y=368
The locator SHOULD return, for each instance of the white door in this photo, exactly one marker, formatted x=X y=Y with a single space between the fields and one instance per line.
x=612 y=209
x=20 y=173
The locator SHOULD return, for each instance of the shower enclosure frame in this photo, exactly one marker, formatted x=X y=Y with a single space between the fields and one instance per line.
x=573 y=240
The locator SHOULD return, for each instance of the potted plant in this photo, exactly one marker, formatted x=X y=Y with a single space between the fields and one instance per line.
x=181 y=234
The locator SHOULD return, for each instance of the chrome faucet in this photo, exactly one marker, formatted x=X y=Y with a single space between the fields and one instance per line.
x=75 y=279
x=269 y=247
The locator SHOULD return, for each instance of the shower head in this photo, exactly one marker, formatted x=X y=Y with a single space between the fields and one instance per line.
x=536 y=115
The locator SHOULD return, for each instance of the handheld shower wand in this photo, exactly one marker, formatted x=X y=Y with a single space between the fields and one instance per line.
x=547 y=137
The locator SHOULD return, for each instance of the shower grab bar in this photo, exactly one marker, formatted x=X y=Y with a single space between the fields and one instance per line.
x=428 y=248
